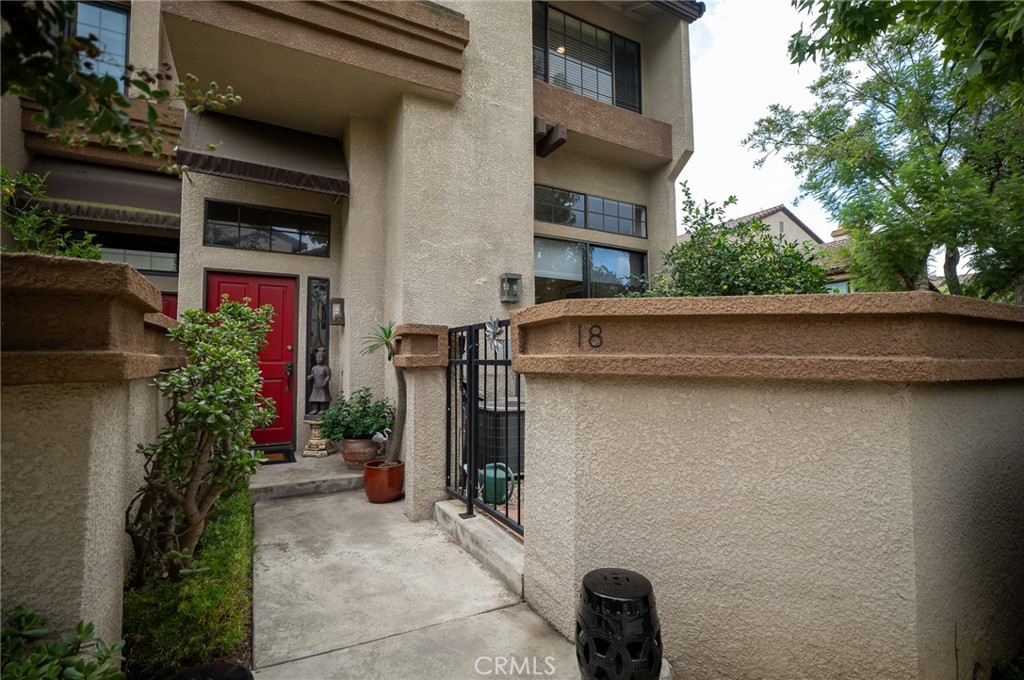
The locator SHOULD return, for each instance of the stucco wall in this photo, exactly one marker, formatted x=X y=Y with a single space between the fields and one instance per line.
x=65 y=490
x=12 y=148
x=968 y=467
x=797 y=529
x=773 y=520
x=462 y=208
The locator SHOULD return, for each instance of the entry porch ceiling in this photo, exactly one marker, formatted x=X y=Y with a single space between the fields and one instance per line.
x=311 y=66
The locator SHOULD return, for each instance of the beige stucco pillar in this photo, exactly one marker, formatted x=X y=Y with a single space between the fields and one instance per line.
x=817 y=486
x=80 y=346
x=460 y=180
x=422 y=353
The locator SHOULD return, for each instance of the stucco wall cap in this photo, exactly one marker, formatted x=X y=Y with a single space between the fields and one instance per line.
x=922 y=302
x=29 y=273
x=881 y=337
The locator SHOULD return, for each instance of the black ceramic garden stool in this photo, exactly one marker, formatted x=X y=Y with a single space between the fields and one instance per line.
x=618 y=635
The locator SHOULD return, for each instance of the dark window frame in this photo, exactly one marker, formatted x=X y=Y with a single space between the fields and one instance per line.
x=588 y=261
x=270 y=209
x=126 y=10
x=587 y=199
x=613 y=36
x=126 y=241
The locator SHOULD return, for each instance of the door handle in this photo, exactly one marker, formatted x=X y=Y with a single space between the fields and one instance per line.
x=288 y=369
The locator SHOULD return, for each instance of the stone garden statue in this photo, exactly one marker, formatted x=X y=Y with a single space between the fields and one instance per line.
x=320 y=376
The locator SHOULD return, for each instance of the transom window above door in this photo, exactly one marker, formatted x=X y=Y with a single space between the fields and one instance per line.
x=249 y=227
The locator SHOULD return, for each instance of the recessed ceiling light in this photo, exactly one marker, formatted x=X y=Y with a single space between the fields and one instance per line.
x=560 y=49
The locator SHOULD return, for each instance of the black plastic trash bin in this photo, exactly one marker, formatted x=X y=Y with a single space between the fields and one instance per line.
x=618 y=635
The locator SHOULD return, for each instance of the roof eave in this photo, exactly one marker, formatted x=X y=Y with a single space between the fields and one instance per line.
x=687 y=10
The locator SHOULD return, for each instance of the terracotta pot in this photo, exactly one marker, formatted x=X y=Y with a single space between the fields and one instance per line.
x=358 y=451
x=383 y=483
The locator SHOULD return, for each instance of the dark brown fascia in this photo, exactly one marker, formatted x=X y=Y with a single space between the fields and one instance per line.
x=647 y=138
x=36 y=138
x=687 y=10
x=418 y=42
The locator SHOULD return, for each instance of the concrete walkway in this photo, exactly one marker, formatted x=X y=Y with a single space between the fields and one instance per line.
x=346 y=589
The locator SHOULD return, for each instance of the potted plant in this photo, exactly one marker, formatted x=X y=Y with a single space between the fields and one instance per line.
x=383 y=480
x=354 y=421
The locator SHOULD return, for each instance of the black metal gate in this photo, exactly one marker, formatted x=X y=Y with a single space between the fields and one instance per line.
x=486 y=423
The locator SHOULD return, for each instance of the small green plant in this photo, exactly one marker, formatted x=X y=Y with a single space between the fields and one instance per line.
x=27 y=655
x=385 y=338
x=207 y=446
x=35 y=228
x=742 y=259
x=358 y=417
x=170 y=625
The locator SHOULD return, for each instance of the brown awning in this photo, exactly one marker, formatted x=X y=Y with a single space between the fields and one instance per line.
x=108 y=194
x=258 y=152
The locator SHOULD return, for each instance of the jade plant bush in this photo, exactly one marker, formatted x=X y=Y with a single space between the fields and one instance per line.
x=358 y=417
x=31 y=653
x=206 y=447
x=171 y=625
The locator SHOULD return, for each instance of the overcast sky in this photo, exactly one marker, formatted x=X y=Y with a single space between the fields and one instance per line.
x=740 y=66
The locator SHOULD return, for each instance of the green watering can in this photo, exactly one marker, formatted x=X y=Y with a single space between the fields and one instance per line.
x=495 y=482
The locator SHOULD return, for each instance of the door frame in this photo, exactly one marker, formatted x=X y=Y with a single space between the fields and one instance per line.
x=295 y=340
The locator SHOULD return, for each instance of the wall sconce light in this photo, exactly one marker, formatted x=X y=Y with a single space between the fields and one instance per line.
x=337 y=311
x=511 y=288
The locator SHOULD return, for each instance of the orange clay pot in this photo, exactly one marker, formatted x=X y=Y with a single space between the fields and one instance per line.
x=383 y=483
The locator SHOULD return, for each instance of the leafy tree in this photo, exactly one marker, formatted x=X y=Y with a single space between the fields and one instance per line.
x=718 y=258
x=41 y=60
x=984 y=41
x=34 y=228
x=911 y=170
x=206 y=447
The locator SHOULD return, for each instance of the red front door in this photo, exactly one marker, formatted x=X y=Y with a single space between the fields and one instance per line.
x=277 y=360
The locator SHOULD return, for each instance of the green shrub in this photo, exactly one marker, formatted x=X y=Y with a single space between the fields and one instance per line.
x=171 y=625
x=33 y=227
x=207 y=446
x=719 y=258
x=358 y=417
x=28 y=654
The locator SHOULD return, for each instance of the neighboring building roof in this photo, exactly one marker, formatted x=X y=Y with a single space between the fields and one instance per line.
x=830 y=256
x=761 y=214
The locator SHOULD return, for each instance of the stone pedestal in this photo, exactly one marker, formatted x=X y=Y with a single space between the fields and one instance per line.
x=317 y=447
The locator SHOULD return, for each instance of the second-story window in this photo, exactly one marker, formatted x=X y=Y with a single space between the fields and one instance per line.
x=574 y=209
x=579 y=56
x=109 y=23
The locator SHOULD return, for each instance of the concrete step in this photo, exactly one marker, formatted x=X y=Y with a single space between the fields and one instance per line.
x=304 y=477
x=492 y=546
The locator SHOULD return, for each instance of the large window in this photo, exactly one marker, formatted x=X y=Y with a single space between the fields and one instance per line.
x=109 y=23
x=574 y=209
x=250 y=227
x=578 y=56
x=146 y=253
x=568 y=269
